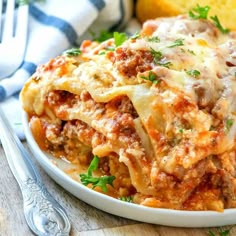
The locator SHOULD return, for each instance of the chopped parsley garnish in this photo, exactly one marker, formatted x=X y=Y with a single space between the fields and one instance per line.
x=108 y=48
x=154 y=39
x=228 y=124
x=219 y=26
x=102 y=52
x=181 y=131
x=157 y=58
x=166 y=64
x=136 y=35
x=157 y=55
x=199 y=12
x=151 y=77
x=103 y=36
x=96 y=181
x=191 y=51
x=194 y=73
x=202 y=13
x=176 y=43
x=188 y=50
x=119 y=38
x=73 y=52
x=126 y=198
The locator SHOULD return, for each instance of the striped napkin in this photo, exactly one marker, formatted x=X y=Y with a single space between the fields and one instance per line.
x=54 y=26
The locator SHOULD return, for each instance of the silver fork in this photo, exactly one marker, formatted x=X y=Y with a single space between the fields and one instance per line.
x=13 y=37
x=42 y=212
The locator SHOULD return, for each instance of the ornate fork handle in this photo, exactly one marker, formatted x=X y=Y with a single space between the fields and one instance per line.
x=42 y=212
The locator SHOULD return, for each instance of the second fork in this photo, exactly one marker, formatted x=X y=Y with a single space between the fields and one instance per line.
x=13 y=36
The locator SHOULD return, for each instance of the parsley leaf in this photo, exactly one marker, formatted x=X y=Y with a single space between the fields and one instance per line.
x=151 y=77
x=157 y=55
x=103 y=36
x=96 y=181
x=219 y=26
x=199 y=12
x=176 y=43
x=154 y=39
x=119 y=38
x=202 y=12
x=181 y=131
x=106 y=49
x=136 y=35
x=103 y=181
x=72 y=52
x=194 y=73
x=166 y=64
x=188 y=50
x=102 y=52
x=126 y=198
x=110 y=48
x=93 y=165
x=228 y=124
x=191 y=51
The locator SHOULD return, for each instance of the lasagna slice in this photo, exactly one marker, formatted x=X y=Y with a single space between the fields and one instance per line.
x=158 y=110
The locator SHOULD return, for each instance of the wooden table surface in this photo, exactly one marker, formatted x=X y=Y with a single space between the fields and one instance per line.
x=85 y=219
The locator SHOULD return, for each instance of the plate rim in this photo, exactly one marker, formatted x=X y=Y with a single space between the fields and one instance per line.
x=161 y=216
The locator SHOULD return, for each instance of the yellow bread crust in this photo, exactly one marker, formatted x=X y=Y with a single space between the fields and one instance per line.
x=151 y=9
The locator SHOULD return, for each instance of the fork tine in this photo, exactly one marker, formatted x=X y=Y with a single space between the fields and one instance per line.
x=9 y=20
x=22 y=22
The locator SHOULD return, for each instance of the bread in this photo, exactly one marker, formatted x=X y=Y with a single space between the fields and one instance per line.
x=224 y=9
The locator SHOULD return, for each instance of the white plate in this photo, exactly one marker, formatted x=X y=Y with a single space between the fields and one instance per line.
x=128 y=210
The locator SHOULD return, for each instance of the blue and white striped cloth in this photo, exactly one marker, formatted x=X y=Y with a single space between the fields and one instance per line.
x=54 y=26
